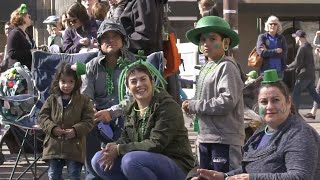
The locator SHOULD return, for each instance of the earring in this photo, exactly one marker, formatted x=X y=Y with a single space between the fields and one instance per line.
x=223 y=45
x=201 y=49
x=225 y=48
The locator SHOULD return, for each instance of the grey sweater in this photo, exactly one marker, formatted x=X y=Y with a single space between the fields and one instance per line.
x=291 y=154
x=219 y=104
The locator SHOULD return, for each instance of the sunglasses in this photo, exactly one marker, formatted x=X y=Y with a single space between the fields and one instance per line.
x=275 y=24
x=73 y=20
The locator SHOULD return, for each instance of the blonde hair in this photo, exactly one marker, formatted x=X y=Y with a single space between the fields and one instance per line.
x=274 y=19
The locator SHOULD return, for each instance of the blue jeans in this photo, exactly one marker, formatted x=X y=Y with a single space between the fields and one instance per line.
x=139 y=165
x=56 y=165
x=299 y=87
x=315 y=105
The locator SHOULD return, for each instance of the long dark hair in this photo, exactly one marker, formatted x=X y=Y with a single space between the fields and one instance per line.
x=77 y=10
x=283 y=89
x=64 y=69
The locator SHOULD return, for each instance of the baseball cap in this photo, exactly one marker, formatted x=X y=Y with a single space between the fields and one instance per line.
x=51 y=20
x=299 y=33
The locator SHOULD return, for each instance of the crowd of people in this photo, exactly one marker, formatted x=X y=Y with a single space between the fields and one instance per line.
x=149 y=139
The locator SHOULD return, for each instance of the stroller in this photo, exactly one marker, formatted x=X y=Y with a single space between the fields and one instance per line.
x=17 y=99
x=21 y=105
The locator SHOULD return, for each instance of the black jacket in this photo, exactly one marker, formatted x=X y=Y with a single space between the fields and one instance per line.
x=142 y=20
x=19 y=48
x=304 y=63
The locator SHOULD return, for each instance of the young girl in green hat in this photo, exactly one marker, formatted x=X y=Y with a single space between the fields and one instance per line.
x=218 y=101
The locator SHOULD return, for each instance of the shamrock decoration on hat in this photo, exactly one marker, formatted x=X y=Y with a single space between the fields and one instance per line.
x=23 y=9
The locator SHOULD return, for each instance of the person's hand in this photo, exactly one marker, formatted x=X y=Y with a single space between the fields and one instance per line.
x=263 y=47
x=84 y=41
x=55 y=31
x=195 y=178
x=238 y=177
x=279 y=50
x=57 y=131
x=70 y=133
x=102 y=115
x=109 y=154
x=185 y=107
x=211 y=174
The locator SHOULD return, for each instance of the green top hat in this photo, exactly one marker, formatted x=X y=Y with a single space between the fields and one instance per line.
x=270 y=76
x=253 y=74
x=212 y=24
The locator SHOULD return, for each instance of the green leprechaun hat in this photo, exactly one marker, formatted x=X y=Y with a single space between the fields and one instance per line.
x=270 y=76
x=215 y=24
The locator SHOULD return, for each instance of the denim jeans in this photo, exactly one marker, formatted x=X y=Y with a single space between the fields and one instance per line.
x=299 y=87
x=139 y=165
x=56 y=165
x=315 y=105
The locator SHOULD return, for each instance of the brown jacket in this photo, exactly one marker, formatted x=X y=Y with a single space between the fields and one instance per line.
x=78 y=114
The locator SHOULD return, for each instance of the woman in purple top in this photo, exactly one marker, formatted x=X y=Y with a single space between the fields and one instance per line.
x=272 y=46
x=83 y=30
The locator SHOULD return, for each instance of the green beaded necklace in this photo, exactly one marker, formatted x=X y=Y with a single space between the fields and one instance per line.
x=204 y=75
x=144 y=119
x=122 y=63
x=109 y=83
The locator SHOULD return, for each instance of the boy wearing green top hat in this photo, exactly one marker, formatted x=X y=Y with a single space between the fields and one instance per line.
x=218 y=101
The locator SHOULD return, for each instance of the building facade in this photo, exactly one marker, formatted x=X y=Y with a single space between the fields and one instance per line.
x=293 y=14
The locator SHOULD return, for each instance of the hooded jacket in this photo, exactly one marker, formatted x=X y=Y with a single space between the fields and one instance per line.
x=94 y=83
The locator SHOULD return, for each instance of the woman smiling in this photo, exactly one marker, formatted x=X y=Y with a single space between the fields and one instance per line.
x=154 y=143
x=286 y=147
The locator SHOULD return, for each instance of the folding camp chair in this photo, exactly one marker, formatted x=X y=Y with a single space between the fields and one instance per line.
x=43 y=68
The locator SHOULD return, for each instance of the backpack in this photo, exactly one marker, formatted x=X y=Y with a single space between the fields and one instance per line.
x=172 y=55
